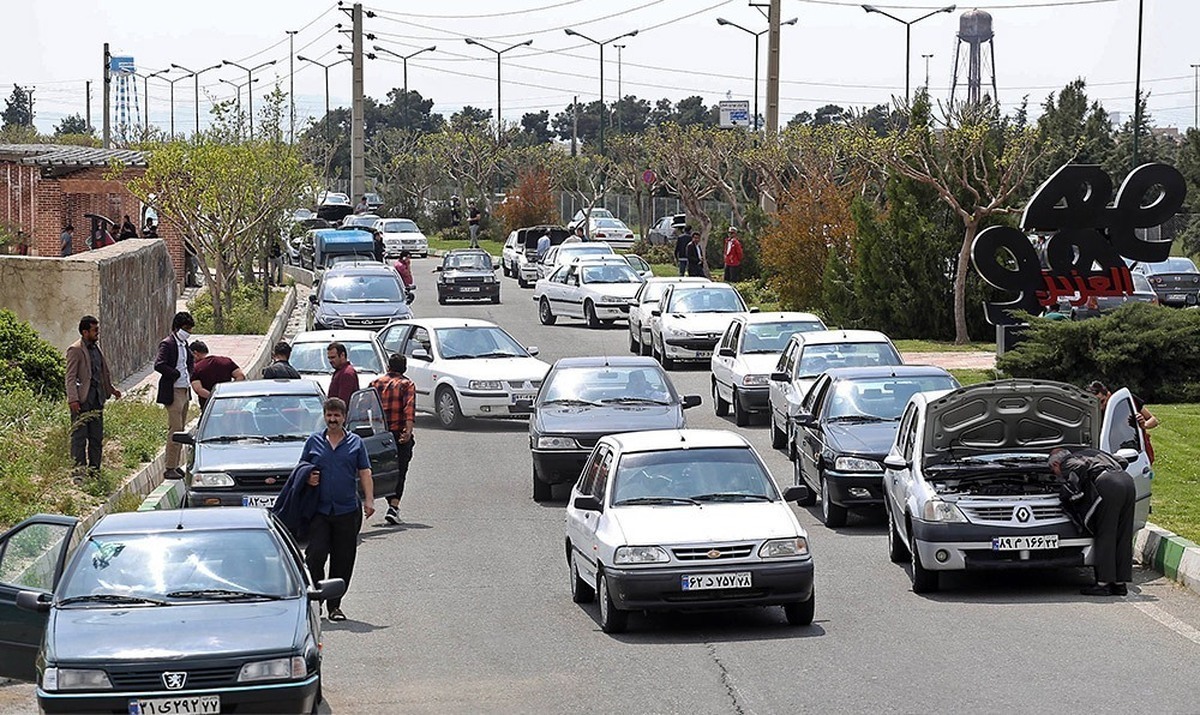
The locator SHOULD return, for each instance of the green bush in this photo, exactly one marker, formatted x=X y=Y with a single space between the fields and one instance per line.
x=654 y=254
x=1154 y=351
x=247 y=316
x=29 y=361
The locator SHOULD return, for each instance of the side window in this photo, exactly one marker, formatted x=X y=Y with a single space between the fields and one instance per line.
x=1123 y=430
x=909 y=431
x=784 y=364
x=816 y=396
x=393 y=339
x=29 y=557
x=665 y=299
x=418 y=339
x=727 y=339
x=602 y=475
x=735 y=333
x=365 y=409
x=587 y=478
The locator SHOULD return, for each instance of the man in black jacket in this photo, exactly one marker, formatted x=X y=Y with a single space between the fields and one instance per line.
x=175 y=363
x=280 y=368
x=1101 y=495
x=682 y=241
x=695 y=256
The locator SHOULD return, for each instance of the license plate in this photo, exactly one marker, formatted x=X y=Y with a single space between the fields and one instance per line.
x=1024 y=543
x=266 y=501
x=1177 y=297
x=470 y=289
x=711 y=581
x=195 y=705
x=523 y=397
x=703 y=353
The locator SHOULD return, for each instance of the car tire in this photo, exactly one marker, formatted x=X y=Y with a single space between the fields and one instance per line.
x=441 y=300
x=798 y=479
x=668 y=363
x=589 y=313
x=801 y=613
x=581 y=591
x=318 y=698
x=496 y=300
x=449 y=412
x=721 y=407
x=741 y=417
x=635 y=345
x=521 y=282
x=541 y=490
x=832 y=515
x=897 y=551
x=778 y=438
x=544 y=313
x=646 y=350
x=612 y=619
x=504 y=269
x=923 y=580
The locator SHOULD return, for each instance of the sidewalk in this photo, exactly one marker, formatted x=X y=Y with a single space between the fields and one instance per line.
x=979 y=360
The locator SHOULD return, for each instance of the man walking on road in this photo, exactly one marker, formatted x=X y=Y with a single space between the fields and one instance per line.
x=89 y=384
x=473 y=218
x=682 y=241
x=210 y=371
x=344 y=382
x=733 y=257
x=280 y=368
x=341 y=466
x=1101 y=495
x=403 y=267
x=174 y=364
x=398 y=395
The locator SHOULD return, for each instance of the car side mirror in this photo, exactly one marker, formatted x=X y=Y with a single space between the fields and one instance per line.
x=895 y=461
x=363 y=431
x=35 y=601
x=422 y=354
x=495 y=264
x=532 y=350
x=754 y=309
x=183 y=438
x=803 y=419
x=587 y=502
x=690 y=401
x=1126 y=456
x=312 y=298
x=409 y=298
x=656 y=312
x=327 y=589
x=797 y=493
x=727 y=352
x=779 y=377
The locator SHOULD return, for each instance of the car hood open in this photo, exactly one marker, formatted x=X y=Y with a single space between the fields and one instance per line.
x=711 y=522
x=1010 y=416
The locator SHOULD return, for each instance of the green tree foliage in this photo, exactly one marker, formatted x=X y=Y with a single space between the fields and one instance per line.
x=471 y=118
x=1150 y=147
x=1078 y=131
x=1187 y=160
x=411 y=112
x=73 y=124
x=829 y=114
x=29 y=362
x=535 y=128
x=18 y=109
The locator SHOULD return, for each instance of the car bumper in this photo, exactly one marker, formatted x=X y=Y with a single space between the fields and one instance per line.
x=960 y=547
x=492 y=404
x=483 y=290
x=203 y=498
x=296 y=697
x=689 y=349
x=754 y=399
x=654 y=589
x=529 y=275
x=559 y=466
x=612 y=311
x=394 y=249
x=856 y=490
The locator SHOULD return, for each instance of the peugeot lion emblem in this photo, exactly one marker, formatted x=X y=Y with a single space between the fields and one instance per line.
x=174 y=681
x=1022 y=513
x=714 y=554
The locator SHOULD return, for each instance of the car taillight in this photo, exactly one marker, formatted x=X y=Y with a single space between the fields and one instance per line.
x=600 y=235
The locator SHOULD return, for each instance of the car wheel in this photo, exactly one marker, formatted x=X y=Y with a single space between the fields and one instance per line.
x=798 y=479
x=441 y=300
x=741 y=417
x=801 y=613
x=589 y=313
x=646 y=349
x=721 y=407
x=541 y=490
x=778 y=438
x=504 y=269
x=832 y=515
x=544 y=313
x=495 y=300
x=449 y=413
x=635 y=346
x=897 y=551
x=318 y=699
x=581 y=591
x=612 y=619
x=668 y=363
x=923 y=580
x=521 y=282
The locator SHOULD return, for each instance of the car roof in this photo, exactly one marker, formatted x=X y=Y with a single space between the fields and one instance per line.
x=329 y=336
x=360 y=268
x=852 y=373
x=281 y=386
x=833 y=337
x=160 y=520
x=661 y=440
x=678 y=279
x=610 y=360
x=446 y=323
x=464 y=251
x=784 y=317
x=602 y=258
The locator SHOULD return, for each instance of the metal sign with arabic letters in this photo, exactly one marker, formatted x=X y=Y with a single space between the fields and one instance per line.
x=1092 y=234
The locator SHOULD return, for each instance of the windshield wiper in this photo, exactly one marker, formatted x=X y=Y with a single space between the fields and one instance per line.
x=860 y=418
x=286 y=437
x=377 y=300
x=112 y=598
x=656 y=500
x=498 y=354
x=222 y=594
x=760 y=352
x=634 y=401
x=571 y=401
x=235 y=438
x=731 y=496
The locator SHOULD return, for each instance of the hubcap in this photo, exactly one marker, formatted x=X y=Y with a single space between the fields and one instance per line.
x=603 y=599
x=824 y=499
x=446 y=406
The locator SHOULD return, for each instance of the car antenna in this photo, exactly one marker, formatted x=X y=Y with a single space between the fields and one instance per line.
x=179 y=521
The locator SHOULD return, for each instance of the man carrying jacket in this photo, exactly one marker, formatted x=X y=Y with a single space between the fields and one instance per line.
x=174 y=364
x=89 y=384
x=1101 y=495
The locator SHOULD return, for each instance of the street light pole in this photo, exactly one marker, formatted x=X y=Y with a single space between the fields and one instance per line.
x=250 y=87
x=926 y=57
x=499 y=122
x=907 y=37
x=404 y=60
x=147 y=79
x=238 y=87
x=1137 y=91
x=325 y=67
x=757 y=53
x=603 y=109
x=617 y=105
x=171 y=82
x=291 y=86
x=195 y=74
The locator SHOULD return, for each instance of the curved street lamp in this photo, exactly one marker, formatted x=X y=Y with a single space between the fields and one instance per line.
x=757 y=35
x=404 y=60
x=250 y=88
x=195 y=74
x=907 y=35
x=477 y=43
x=601 y=45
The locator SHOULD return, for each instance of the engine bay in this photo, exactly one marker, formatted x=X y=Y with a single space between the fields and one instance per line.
x=1023 y=483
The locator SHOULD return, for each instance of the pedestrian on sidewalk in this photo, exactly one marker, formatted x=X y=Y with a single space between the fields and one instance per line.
x=403 y=266
x=473 y=218
x=377 y=246
x=733 y=257
x=210 y=371
x=174 y=364
x=340 y=464
x=89 y=384
x=362 y=206
x=280 y=368
x=68 y=240
x=1100 y=496
x=398 y=395
x=275 y=260
x=344 y=382
x=682 y=241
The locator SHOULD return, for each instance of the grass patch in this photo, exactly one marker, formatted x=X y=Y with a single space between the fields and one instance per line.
x=967 y=376
x=1176 y=482
x=937 y=346
x=247 y=316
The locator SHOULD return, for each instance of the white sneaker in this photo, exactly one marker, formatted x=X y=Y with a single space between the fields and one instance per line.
x=393 y=515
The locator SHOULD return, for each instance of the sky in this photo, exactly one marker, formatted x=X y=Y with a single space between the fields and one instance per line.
x=835 y=54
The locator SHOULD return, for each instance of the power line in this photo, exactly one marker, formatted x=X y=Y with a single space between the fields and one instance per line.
x=509 y=13
x=1020 y=6
x=307 y=25
x=527 y=33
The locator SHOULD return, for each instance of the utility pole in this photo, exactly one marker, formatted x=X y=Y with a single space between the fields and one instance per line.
x=358 y=179
x=107 y=92
x=617 y=106
x=1196 y=96
x=29 y=96
x=574 y=125
x=773 y=68
x=1137 y=91
x=927 y=71
x=87 y=118
x=291 y=86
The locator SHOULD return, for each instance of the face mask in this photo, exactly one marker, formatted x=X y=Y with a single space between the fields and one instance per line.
x=183 y=335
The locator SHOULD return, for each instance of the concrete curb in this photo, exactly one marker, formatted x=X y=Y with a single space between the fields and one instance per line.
x=1170 y=554
x=168 y=495
x=274 y=333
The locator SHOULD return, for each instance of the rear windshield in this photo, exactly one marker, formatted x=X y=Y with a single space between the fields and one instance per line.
x=773 y=337
x=1175 y=264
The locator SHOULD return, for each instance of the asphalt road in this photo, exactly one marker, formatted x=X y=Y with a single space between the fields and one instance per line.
x=466 y=607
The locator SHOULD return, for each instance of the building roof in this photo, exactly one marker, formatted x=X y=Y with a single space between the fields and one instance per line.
x=69 y=156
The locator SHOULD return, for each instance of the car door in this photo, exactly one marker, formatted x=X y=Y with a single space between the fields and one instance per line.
x=722 y=365
x=778 y=390
x=392 y=338
x=810 y=439
x=604 y=463
x=896 y=481
x=583 y=523
x=570 y=301
x=635 y=311
x=32 y=557
x=421 y=370
x=656 y=320
x=365 y=418
x=1120 y=431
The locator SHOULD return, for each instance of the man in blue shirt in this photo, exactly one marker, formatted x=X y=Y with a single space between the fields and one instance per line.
x=543 y=245
x=341 y=465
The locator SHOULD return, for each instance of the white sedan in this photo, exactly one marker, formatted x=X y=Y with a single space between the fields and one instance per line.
x=646 y=301
x=684 y=519
x=310 y=359
x=464 y=367
x=612 y=231
x=690 y=320
x=564 y=253
x=596 y=289
x=402 y=234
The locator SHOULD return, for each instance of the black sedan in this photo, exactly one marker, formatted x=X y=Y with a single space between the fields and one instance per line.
x=469 y=274
x=848 y=423
x=584 y=399
x=180 y=611
x=1175 y=280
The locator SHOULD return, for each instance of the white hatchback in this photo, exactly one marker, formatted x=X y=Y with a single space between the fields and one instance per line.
x=684 y=519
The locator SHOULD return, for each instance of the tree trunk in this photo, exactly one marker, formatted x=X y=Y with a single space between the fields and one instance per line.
x=216 y=293
x=960 y=284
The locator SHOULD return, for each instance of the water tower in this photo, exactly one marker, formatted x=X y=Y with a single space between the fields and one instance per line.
x=124 y=73
x=974 y=31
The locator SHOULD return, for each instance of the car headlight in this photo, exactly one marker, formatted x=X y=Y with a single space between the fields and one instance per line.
x=448 y=281
x=212 y=479
x=641 y=555
x=485 y=385
x=557 y=443
x=74 y=679
x=275 y=669
x=330 y=320
x=940 y=511
x=489 y=279
x=677 y=333
x=613 y=299
x=783 y=548
x=755 y=380
x=855 y=464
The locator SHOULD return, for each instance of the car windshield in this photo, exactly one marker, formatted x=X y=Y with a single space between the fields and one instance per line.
x=609 y=274
x=879 y=398
x=335 y=198
x=692 y=475
x=706 y=300
x=652 y=292
x=278 y=417
x=181 y=565
x=1175 y=264
x=311 y=358
x=473 y=261
x=361 y=289
x=595 y=213
x=816 y=359
x=400 y=227
x=480 y=342
x=607 y=385
x=773 y=337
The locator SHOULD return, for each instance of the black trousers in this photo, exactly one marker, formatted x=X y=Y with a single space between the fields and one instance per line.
x=334 y=538
x=1113 y=526
x=87 y=437
x=733 y=274
x=404 y=452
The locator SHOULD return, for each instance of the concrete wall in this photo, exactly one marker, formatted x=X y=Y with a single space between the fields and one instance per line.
x=129 y=286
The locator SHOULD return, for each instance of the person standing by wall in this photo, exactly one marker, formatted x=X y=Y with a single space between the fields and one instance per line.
x=210 y=371
x=280 y=368
x=89 y=384
x=174 y=364
x=473 y=219
x=1101 y=496
x=275 y=262
x=682 y=241
x=344 y=382
x=67 y=240
x=398 y=395
x=341 y=466
x=733 y=257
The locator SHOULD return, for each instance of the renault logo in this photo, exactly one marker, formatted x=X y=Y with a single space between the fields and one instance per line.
x=1022 y=514
x=174 y=681
x=714 y=554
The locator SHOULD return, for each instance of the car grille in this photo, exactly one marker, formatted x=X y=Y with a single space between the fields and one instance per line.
x=197 y=678
x=694 y=343
x=366 y=322
x=704 y=553
x=524 y=384
x=708 y=596
x=1006 y=514
x=468 y=279
x=258 y=480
